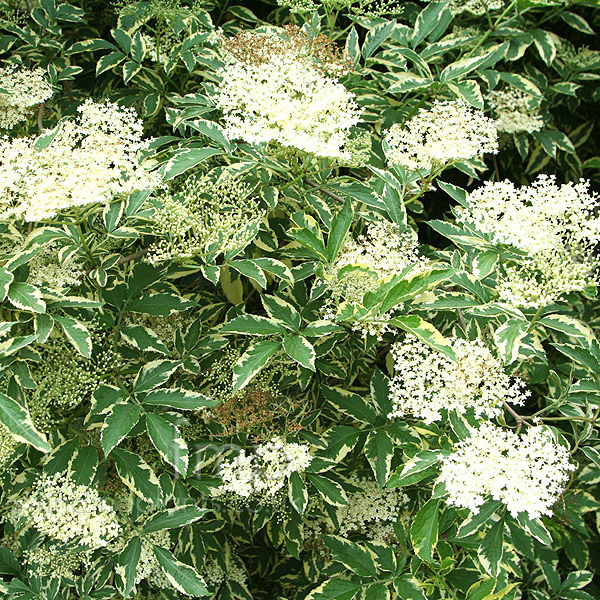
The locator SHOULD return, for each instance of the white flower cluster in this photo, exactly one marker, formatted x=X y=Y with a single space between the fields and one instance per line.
x=265 y=471
x=446 y=133
x=55 y=561
x=477 y=8
x=65 y=511
x=555 y=227
x=372 y=511
x=427 y=382
x=20 y=91
x=526 y=472
x=46 y=269
x=92 y=159
x=285 y=98
x=515 y=111
x=8 y=445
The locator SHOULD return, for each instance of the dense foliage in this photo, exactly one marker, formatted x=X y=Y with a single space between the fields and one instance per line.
x=299 y=300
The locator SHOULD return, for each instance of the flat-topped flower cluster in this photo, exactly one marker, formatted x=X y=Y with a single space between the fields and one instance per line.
x=93 y=158
x=427 y=382
x=68 y=512
x=448 y=132
x=554 y=226
x=265 y=471
x=526 y=472
x=281 y=86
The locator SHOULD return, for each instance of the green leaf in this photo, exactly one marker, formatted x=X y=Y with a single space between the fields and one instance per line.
x=167 y=439
x=491 y=548
x=434 y=17
x=83 y=465
x=350 y=404
x=6 y=278
x=508 y=338
x=109 y=61
x=376 y=36
x=335 y=589
x=469 y=91
x=253 y=325
x=90 y=46
x=408 y=588
x=185 y=159
x=173 y=518
x=252 y=361
x=137 y=476
x=121 y=420
x=340 y=225
x=17 y=420
x=353 y=556
x=552 y=141
x=153 y=374
x=536 y=528
x=159 y=305
x=26 y=297
x=545 y=43
x=331 y=491
x=576 y=22
x=211 y=130
x=474 y=522
x=281 y=311
x=143 y=338
x=379 y=451
x=301 y=350
x=593 y=454
x=128 y=562
x=377 y=591
x=569 y=326
x=426 y=332
x=251 y=270
x=182 y=577
x=297 y=492
x=408 y=82
x=77 y=334
x=178 y=398
x=416 y=468
x=424 y=530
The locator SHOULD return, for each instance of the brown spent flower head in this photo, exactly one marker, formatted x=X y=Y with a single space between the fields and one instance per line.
x=259 y=48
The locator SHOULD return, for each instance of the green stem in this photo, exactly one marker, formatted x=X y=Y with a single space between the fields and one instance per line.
x=489 y=32
x=535 y=318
